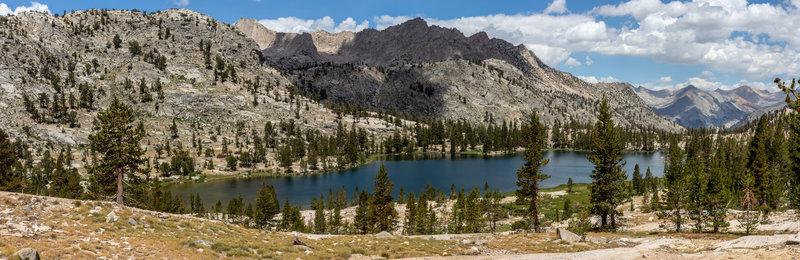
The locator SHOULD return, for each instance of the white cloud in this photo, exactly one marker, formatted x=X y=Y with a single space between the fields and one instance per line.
x=181 y=2
x=549 y=55
x=34 y=7
x=697 y=32
x=557 y=6
x=589 y=61
x=665 y=79
x=593 y=79
x=349 y=24
x=572 y=62
x=4 y=10
x=385 y=21
x=297 y=25
x=707 y=74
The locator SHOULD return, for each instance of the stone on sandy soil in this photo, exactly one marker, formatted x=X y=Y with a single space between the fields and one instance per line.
x=568 y=236
x=26 y=254
x=474 y=250
x=384 y=235
x=132 y=222
x=111 y=217
x=201 y=242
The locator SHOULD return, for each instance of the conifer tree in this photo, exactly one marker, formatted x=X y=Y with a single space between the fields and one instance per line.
x=530 y=174
x=9 y=179
x=649 y=180
x=793 y=145
x=569 y=185
x=364 y=220
x=116 y=140
x=607 y=188
x=675 y=181
x=383 y=210
x=758 y=167
x=267 y=205
x=716 y=197
x=409 y=227
x=638 y=183
x=65 y=180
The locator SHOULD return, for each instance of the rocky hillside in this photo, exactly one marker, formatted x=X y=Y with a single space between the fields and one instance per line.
x=174 y=67
x=54 y=228
x=439 y=72
x=694 y=107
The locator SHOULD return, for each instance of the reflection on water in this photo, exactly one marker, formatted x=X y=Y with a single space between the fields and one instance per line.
x=412 y=173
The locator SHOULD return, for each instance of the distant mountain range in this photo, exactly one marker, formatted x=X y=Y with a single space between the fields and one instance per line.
x=439 y=72
x=693 y=107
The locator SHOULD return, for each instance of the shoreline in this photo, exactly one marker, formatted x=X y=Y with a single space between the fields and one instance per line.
x=371 y=158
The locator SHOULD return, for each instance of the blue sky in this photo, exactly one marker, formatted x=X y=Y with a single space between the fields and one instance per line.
x=656 y=44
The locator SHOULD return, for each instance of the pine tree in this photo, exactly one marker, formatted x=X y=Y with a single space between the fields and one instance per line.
x=65 y=180
x=409 y=227
x=676 y=186
x=116 y=140
x=649 y=181
x=638 y=183
x=793 y=145
x=267 y=205
x=382 y=204
x=530 y=174
x=758 y=167
x=9 y=179
x=607 y=188
x=569 y=185
x=364 y=221
x=473 y=219
x=716 y=197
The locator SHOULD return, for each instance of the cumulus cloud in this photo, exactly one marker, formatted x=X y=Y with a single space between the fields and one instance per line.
x=665 y=79
x=756 y=41
x=557 y=6
x=181 y=2
x=381 y=22
x=593 y=79
x=572 y=62
x=297 y=25
x=34 y=7
x=589 y=61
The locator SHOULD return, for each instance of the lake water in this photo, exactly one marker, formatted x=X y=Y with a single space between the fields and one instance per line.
x=466 y=171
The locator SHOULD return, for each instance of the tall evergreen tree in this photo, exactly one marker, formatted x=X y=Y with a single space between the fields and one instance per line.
x=638 y=182
x=608 y=187
x=364 y=221
x=382 y=203
x=116 y=140
x=529 y=175
x=9 y=179
x=758 y=167
x=716 y=197
x=267 y=205
x=793 y=145
x=675 y=181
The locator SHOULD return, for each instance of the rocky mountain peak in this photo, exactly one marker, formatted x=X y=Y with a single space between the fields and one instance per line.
x=459 y=77
x=695 y=107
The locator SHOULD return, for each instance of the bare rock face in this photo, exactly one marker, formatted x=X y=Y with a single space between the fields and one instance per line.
x=439 y=72
x=331 y=43
x=263 y=36
x=568 y=236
